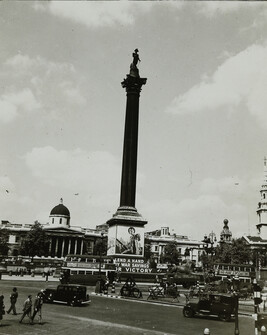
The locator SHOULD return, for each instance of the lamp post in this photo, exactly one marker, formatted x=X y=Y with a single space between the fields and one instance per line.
x=100 y=254
x=99 y=287
x=236 y=285
x=257 y=300
x=209 y=241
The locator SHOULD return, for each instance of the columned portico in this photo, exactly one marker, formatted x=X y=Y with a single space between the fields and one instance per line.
x=64 y=241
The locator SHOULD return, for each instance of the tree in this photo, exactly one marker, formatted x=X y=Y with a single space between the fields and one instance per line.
x=35 y=243
x=236 y=252
x=4 y=242
x=147 y=250
x=148 y=255
x=100 y=246
x=171 y=254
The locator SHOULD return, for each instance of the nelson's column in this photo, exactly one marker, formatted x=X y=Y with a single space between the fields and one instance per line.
x=126 y=227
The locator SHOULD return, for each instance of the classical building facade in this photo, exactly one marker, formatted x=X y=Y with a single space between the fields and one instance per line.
x=189 y=249
x=63 y=238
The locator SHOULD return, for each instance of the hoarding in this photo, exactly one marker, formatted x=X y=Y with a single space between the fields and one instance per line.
x=124 y=240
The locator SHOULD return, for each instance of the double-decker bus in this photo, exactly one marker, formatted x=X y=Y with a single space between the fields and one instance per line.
x=245 y=272
x=20 y=265
x=87 y=269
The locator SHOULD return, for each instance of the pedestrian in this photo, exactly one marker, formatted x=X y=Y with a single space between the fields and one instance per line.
x=13 y=300
x=37 y=306
x=27 y=308
x=2 y=308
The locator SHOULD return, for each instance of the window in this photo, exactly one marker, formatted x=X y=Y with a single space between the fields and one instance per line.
x=53 y=220
x=60 y=220
x=81 y=272
x=156 y=248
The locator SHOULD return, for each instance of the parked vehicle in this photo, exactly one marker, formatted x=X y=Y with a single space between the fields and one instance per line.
x=157 y=292
x=70 y=294
x=130 y=289
x=222 y=305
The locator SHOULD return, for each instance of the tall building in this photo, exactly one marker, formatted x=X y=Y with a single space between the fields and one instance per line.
x=262 y=206
x=258 y=243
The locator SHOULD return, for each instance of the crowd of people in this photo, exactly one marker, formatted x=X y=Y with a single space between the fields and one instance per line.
x=31 y=307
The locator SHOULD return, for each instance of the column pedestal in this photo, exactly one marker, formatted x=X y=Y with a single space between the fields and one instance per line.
x=126 y=233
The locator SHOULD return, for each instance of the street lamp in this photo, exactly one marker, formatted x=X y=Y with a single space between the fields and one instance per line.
x=98 y=288
x=236 y=285
x=209 y=241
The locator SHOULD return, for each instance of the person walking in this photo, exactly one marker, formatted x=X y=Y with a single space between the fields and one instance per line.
x=2 y=308
x=13 y=300
x=37 y=307
x=27 y=308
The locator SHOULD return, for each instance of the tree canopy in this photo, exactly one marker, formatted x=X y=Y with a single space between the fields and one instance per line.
x=171 y=254
x=4 y=242
x=35 y=243
x=100 y=247
x=236 y=252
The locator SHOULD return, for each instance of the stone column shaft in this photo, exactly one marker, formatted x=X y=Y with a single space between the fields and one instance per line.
x=56 y=247
x=62 y=249
x=75 y=248
x=129 y=161
x=81 y=247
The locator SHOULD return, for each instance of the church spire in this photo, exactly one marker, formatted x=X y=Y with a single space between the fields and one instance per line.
x=265 y=172
x=262 y=205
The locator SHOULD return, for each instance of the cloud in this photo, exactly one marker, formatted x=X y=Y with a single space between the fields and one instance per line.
x=196 y=217
x=227 y=185
x=96 y=13
x=13 y=104
x=212 y=9
x=42 y=78
x=91 y=173
x=240 y=79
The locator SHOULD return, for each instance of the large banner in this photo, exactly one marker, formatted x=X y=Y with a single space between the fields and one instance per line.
x=123 y=240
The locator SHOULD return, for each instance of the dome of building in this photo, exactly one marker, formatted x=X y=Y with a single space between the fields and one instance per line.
x=60 y=210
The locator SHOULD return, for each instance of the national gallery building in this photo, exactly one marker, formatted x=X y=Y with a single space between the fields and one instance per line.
x=63 y=238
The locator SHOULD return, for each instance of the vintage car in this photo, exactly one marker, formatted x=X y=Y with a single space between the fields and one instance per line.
x=70 y=294
x=222 y=305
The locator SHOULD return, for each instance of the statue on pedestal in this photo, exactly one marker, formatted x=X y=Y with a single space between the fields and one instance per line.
x=133 y=67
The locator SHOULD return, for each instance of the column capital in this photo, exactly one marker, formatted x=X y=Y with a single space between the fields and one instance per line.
x=133 y=84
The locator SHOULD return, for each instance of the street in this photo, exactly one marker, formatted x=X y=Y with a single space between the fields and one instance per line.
x=110 y=315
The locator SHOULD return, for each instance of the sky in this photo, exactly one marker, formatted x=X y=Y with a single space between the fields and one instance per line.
x=202 y=123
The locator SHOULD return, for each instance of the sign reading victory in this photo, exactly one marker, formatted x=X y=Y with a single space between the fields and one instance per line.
x=131 y=265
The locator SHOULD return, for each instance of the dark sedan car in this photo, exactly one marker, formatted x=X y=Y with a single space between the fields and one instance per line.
x=70 y=294
x=222 y=305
